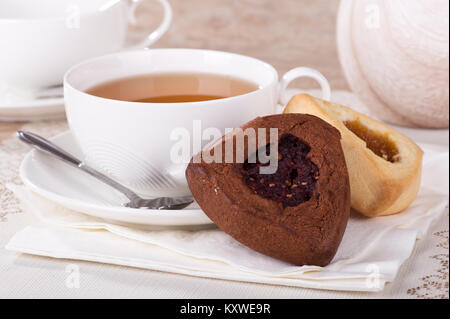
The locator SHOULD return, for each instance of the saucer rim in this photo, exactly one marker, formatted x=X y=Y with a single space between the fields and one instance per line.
x=33 y=110
x=50 y=101
x=133 y=213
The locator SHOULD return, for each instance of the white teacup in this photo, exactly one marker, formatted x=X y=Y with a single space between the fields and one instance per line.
x=131 y=141
x=41 y=39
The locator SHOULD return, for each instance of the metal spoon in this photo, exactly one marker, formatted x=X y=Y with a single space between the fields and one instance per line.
x=136 y=201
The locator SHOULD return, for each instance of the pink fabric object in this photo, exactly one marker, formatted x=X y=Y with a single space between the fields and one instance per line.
x=395 y=56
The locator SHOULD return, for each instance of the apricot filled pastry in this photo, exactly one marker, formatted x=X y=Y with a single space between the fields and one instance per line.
x=384 y=165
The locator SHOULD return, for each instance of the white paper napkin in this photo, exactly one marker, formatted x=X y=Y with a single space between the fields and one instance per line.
x=370 y=254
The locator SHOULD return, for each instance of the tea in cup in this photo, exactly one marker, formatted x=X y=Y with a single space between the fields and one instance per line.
x=125 y=109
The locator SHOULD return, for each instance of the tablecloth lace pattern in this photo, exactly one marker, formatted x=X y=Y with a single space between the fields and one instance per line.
x=435 y=285
x=12 y=152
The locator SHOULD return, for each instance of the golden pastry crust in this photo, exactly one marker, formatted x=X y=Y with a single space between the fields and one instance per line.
x=378 y=186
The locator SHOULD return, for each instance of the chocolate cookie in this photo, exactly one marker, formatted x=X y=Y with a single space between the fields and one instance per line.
x=296 y=213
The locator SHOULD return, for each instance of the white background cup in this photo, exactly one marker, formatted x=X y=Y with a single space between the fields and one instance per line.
x=131 y=141
x=41 y=39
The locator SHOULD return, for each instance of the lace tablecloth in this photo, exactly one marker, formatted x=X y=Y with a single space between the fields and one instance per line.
x=424 y=275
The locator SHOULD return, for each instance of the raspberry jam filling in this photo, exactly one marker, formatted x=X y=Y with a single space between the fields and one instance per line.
x=295 y=179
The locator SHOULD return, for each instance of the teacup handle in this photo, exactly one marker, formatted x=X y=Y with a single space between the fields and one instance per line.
x=155 y=35
x=296 y=73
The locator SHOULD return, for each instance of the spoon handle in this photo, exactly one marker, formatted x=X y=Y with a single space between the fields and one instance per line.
x=48 y=147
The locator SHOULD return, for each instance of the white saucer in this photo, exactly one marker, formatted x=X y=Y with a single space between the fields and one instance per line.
x=73 y=189
x=36 y=110
x=44 y=104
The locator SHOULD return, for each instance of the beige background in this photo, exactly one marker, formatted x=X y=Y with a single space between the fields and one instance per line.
x=285 y=33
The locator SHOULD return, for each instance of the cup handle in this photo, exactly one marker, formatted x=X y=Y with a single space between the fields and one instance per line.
x=296 y=73
x=158 y=33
